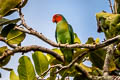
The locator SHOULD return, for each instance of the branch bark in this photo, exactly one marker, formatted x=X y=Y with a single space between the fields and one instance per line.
x=111 y=5
x=108 y=58
x=30 y=48
x=84 y=72
x=89 y=46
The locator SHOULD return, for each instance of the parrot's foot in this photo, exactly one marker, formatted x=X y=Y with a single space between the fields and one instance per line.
x=59 y=43
x=66 y=44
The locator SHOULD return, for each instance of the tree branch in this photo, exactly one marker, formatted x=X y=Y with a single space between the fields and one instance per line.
x=73 y=61
x=108 y=58
x=105 y=77
x=111 y=5
x=92 y=77
x=84 y=72
x=53 y=66
x=89 y=46
x=30 y=48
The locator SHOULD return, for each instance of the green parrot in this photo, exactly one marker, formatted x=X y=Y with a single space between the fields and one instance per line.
x=64 y=35
x=7 y=5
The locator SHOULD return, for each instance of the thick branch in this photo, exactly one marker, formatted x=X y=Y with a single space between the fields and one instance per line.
x=89 y=46
x=30 y=48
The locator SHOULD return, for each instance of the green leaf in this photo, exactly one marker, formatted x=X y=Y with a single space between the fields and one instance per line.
x=40 y=61
x=117 y=62
x=15 y=37
x=0 y=28
x=24 y=3
x=58 y=51
x=2 y=20
x=7 y=59
x=7 y=29
x=76 y=39
x=6 y=21
x=7 y=5
x=90 y=40
x=2 y=49
x=52 y=60
x=96 y=71
x=25 y=69
x=97 y=57
x=13 y=76
x=97 y=41
x=86 y=68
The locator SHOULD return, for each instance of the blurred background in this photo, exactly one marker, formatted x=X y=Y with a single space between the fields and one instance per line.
x=79 y=13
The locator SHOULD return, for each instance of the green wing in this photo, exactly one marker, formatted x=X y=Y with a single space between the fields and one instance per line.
x=71 y=34
x=56 y=35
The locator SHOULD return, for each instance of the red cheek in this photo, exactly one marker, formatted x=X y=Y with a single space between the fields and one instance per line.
x=53 y=20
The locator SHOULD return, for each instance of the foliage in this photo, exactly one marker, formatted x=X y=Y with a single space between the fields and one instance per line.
x=48 y=66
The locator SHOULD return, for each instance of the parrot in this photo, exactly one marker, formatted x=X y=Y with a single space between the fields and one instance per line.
x=64 y=34
x=7 y=5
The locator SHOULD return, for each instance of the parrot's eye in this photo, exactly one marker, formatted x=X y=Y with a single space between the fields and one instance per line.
x=57 y=16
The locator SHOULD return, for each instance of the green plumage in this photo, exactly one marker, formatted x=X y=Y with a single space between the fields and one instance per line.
x=64 y=34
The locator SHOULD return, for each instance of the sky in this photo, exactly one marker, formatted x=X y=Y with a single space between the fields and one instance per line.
x=38 y=15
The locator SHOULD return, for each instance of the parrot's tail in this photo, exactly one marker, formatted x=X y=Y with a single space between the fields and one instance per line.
x=67 y=54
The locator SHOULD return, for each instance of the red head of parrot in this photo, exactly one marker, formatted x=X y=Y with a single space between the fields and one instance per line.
x=57 y=18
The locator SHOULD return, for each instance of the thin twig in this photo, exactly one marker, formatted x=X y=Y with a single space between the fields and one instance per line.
x=23 y=20
x=111 y=5
x=53 y=66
